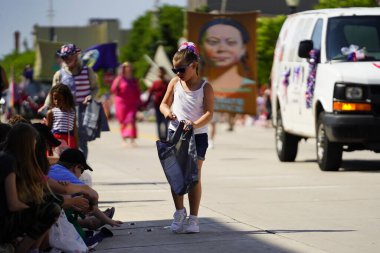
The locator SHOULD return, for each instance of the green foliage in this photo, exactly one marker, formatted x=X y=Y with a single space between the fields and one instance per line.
x=171 y=25
x=267 y=33
x=148 y=33
x=323 y=4
x=18 y=63
x=103 y=88
x=269 y=28
x=140 y=42
x=203 y=8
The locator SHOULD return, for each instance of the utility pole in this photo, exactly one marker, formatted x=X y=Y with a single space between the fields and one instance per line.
x=50 y=15
x=223 y=6
x=155 y=14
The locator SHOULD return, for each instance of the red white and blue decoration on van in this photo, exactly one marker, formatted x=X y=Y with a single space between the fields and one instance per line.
x=285 y=82
x=310 y=84
x=353 y=53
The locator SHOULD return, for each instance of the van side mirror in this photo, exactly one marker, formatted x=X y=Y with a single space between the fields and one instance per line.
x=304 y=48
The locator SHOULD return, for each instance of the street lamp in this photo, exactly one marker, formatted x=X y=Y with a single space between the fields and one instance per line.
x=155 y=14
x=292 y=5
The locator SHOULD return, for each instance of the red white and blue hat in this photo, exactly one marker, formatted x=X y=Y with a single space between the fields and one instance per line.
x=67 y=50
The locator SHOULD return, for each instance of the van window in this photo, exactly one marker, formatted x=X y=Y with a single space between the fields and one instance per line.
x=363 y=31
x=301 y=31
x=317 y=34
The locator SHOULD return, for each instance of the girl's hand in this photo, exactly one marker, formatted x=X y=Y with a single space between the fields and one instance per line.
x=188 y=124
x=171 y=116
x=41 y=108
x=44 y=121
x=87 y=99
x=115 y=223
x=80 y=204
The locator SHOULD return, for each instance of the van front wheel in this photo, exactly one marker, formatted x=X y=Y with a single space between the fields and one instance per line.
x=286 y=144
x=329 y=154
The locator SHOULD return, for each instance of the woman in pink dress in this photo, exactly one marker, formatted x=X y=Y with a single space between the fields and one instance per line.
x=127 y=100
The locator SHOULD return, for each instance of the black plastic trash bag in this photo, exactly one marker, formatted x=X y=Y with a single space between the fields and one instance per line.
x=95 y=120
x=178 y=158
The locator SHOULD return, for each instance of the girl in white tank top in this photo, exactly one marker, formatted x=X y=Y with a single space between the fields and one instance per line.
x=189 y=98
x=188 y=105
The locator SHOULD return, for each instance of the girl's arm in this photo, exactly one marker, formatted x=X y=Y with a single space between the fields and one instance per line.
x=49 y=119
x=167 y=101
x=104 y=218
x=70 y=189
x=115 y=85
x=79 y=203
x=208 y=105
x=14 y=204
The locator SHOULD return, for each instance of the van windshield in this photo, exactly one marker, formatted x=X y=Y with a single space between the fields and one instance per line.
x=360 y=32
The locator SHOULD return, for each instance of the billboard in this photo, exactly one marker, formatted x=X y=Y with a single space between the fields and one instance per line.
x=227 y=46
x=46 y=63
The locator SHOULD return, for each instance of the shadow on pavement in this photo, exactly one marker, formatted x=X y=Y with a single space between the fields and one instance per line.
x=129 y=201
x=287 y=231
x=131 y=183
x=351 y=165
x=215 y=236
x=361 y=165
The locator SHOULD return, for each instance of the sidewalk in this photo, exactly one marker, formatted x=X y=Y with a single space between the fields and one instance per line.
x=132 y=180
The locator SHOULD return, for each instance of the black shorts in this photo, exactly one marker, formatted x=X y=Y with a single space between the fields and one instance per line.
x=201 y=144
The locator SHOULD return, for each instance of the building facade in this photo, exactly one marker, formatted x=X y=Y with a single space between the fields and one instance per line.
x=266 y=7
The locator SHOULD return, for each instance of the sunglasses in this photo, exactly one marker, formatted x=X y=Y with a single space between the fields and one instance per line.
x=66 y=56
x=180 y=70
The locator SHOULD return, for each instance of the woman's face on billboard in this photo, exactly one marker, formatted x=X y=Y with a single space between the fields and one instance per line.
x=223 y=45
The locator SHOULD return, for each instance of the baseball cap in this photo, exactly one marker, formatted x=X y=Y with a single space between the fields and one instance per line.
x=67 y=50
x=74 y=156
x=46 y=133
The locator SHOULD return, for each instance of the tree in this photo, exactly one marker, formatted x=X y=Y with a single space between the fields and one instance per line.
x=17 y=61
x=267 y=33
x=269 y=28
x=171 y=27
x=323 y=4
x=145 y=37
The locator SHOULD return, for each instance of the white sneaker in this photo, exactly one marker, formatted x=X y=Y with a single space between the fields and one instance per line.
x=192 y=225
x=179 y=218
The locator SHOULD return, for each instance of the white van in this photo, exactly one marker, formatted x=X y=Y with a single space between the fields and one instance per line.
x=326 y=83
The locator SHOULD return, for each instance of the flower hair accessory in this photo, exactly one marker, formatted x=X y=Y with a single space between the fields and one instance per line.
x=189 y=46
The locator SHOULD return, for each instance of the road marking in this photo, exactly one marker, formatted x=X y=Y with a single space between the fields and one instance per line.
x=300 y=187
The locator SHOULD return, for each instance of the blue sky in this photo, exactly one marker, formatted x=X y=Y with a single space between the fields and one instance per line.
x=22 y=15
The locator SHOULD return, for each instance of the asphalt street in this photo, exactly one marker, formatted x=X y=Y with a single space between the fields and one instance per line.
x=251 y=202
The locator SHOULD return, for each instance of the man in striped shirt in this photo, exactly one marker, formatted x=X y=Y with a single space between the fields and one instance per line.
x=83 y=84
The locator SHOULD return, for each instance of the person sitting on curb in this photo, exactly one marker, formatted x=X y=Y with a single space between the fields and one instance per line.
x=69 y=168
x=45 y=141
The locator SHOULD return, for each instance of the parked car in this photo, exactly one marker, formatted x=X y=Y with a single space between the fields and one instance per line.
x=325 y=83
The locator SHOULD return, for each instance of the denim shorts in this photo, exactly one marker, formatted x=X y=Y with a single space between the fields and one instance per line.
x=201 y=144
